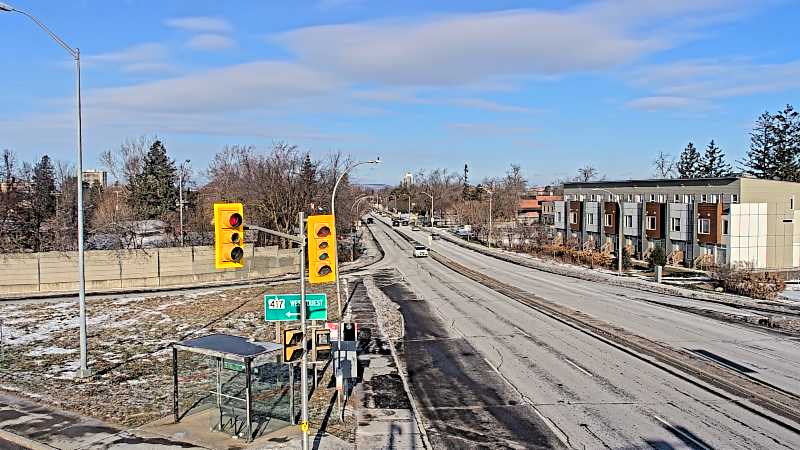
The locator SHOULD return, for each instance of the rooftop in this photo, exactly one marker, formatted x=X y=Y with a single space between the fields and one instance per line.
x=666 y=182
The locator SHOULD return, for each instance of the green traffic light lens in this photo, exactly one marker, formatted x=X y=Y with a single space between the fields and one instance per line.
x=323 y=256
x=236 y=254
x=324 y=270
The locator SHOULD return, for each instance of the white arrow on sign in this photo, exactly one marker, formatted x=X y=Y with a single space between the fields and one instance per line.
x=290 y=314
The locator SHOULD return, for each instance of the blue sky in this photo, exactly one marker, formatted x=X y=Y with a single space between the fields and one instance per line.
x=549 y=85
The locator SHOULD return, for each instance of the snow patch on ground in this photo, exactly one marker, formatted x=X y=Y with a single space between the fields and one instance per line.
x=51 y=351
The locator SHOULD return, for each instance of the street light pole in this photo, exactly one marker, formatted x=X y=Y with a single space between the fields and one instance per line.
x=180 y=196
x=83 y=370
x=336 y=252
x=429 y=195
x=621 y=231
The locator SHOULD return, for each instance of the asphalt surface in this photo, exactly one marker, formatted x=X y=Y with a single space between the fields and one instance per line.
x=489 y=372
x=764 y=355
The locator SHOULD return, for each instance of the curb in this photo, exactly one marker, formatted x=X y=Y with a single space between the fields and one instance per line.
x=23 y=441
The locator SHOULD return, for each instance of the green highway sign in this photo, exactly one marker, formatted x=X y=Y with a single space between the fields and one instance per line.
x=283 y=307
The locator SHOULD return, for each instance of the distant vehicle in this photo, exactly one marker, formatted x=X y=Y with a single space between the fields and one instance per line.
x=420 y=251
x=405 y=223
x=415 y=228
x=436 y=236
x=370 y=220
x=395 y=223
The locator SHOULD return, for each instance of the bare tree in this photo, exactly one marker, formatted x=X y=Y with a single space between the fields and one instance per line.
x=126 y=162
x=588 y=173
x=664 y=165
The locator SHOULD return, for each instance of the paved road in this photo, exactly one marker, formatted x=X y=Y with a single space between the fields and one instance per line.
x=488 y=371
x=761 y=354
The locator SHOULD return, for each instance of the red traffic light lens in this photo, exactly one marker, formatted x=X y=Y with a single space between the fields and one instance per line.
x=235 y=220
x=236 y=254
x=323 y=231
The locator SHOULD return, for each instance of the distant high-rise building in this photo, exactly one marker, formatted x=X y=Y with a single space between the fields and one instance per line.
x=91 y=177
x=408 y=180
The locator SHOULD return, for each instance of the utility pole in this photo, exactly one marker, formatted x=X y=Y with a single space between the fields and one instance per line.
x=180 y=196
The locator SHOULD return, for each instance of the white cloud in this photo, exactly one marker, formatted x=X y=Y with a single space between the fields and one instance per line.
x=255 y=85
x=490 y=128
x=692 y=83
x=469 y=48
x=137 y=58
x=200 y=24
x=210 y=42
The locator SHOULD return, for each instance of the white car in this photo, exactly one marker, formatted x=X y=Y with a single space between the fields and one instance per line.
x=415 y=228
x=420 y=251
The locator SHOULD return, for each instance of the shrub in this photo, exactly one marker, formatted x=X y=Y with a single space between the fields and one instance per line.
x=626 y=260
x=743 y=281
x=657 y=257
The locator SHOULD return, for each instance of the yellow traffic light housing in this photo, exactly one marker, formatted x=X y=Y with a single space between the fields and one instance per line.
x=292 y=345
x=228 y=235
x=321 y=233
x=322 y=344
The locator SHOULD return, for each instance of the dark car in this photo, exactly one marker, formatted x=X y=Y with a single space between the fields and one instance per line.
x=370 y=220
x=405 y=223
x=395 y=223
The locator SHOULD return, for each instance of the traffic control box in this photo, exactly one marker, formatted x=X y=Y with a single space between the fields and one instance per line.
x=321 y=234
x=228 y=235
x=322 y=345
x=292 y=345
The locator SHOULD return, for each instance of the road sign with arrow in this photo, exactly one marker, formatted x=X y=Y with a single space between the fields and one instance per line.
x=285 y=307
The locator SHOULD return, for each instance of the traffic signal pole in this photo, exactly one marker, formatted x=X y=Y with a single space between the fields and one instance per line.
x=301 y=240
x=304 y=361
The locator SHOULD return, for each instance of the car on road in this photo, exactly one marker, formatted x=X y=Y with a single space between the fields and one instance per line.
x=436 y=236
x=415 y=228
x=420 y=251
x=370 y=220
x=405 y=223
x=395 y=223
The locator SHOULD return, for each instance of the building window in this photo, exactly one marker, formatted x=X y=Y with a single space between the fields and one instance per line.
x=734 y=198
x=703 y=226
x=558 y=217
x=713 y=198
x=662 y=198
x=651 y=223
x=573 y=217
x=725 y=227
x=590 y=218
x=687 y=198
x=630 y=197
x=791 y=202
x=638 y=198
x=703 y=198
x=593 y=197
x=676 y=224
x=607 y=220
x=629 y=221
x=676 y=198
x=652 y=197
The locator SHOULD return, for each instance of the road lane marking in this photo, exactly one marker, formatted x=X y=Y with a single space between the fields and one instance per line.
x=685 y=435
x=578 y=367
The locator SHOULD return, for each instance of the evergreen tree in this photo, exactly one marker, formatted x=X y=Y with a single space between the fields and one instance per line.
x=466 y=192
x=786 y=129
x=153 y=191
x=761 y=158
x=40 y=204
x=688 y=165
x=713 y=164
x=308 y=181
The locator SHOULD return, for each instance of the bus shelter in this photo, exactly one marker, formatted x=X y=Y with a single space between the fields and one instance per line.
x=242 y=385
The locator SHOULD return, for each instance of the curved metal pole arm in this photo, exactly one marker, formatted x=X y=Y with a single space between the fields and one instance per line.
x=74 y=52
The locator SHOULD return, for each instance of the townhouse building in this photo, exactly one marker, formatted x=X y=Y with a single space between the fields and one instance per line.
x=736 y=220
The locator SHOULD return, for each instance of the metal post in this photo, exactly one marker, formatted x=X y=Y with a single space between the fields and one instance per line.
x=304 y=331
x=219 y=392
x=180 y=201
x=491 y=194
x=248 y=372
x=175 y=384
x=291 y=394
x=83 y=371
x=621 y=237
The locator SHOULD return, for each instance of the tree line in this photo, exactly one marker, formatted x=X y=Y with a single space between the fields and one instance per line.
x=774 y=153
x=38 y=200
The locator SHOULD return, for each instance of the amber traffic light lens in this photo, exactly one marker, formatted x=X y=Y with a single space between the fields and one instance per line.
x=235 y=219
x=324 y=270
x=237 y=253
x=324 y=231
x=323 y=245
x=235 y=238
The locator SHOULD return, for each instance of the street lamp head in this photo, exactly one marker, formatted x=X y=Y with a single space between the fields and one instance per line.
x=6 y=7
x=375 y=161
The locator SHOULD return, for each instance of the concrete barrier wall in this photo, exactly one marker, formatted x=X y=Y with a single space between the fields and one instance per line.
x=118 y=269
